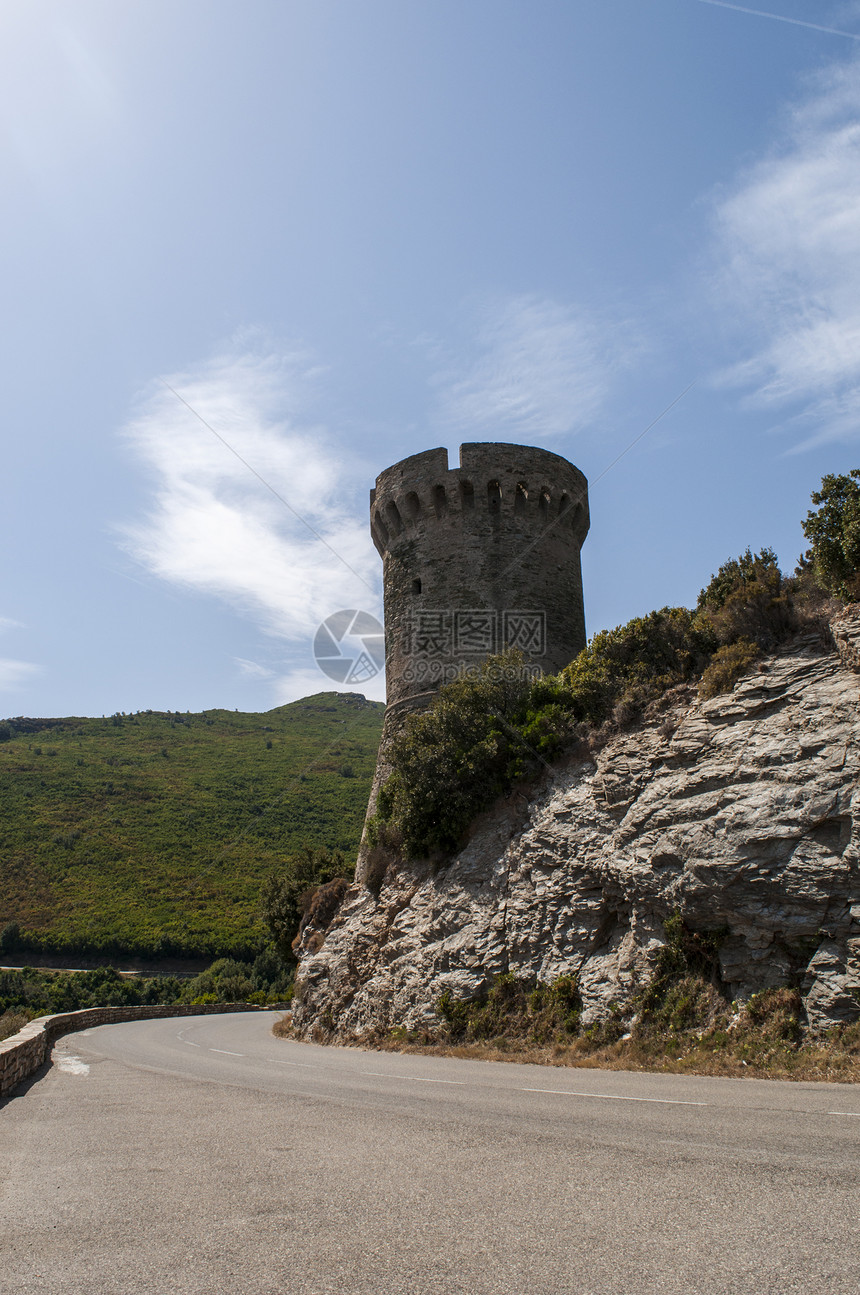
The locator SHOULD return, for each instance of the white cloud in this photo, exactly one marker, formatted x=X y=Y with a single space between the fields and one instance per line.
x=7 y=624
x=15 y=673
x=307 y=681
x=539 y=369
x=789 y=264
x=253 y=669
x=215 y=527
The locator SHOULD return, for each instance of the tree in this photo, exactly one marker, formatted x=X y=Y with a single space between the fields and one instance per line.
x=10 y=937
x=834 y=532
x=288 y=893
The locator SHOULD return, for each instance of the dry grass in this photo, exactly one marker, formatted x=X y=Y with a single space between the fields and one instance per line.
x=283 y=1029
x=828 y=1059
x=763 y=1040
x=11 y=1022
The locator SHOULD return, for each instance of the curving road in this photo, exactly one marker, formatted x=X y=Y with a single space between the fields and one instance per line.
x=202 y=1155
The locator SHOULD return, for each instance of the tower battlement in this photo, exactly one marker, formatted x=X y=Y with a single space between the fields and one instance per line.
x=495 y=486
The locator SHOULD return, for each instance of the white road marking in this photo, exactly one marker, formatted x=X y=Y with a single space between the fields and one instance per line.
x=72 y=1065
x=613 y=1097
x=461 y=1083
x=75 y=1066
x=414 y=1079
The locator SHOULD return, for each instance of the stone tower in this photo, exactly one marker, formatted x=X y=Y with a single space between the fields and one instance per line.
x=476 y=558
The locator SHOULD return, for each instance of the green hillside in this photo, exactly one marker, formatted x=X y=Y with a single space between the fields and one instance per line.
x=152 y=834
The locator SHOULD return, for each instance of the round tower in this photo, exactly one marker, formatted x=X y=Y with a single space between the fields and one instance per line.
x=476 y=559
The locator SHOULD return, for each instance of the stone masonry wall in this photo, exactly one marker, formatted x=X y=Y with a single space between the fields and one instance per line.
x=23 y=1053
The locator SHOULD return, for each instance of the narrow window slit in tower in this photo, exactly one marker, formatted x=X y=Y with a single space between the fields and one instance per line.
x=392 y=512
x=413 y=505
x=416 y=586
x=467 y=495
x=563 y=505
x=494 y=498
x=440 y=501
x=544 y=503
x=520 y=499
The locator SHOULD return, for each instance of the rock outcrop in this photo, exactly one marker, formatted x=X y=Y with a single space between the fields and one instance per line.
x=742 y=812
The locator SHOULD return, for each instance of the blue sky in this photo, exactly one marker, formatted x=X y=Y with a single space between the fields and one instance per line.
x=346 y=232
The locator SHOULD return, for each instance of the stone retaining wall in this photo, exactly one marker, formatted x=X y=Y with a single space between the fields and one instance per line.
x=26 y=1051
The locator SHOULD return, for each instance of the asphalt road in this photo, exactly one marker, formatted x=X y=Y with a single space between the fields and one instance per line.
x=203 y=1155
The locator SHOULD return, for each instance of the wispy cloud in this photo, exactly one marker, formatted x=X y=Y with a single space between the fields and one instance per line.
x=15 y=673
x=253 y=669
x=778 y=17
x=215 y=527
x=536 y=368
x=788 y=248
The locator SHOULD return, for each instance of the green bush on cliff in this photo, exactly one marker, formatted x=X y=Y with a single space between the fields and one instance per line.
x=480 y=735
x=833 y=529
x=489 y=730
x=514 y=1009
x=728 y=664
x=749 y=599
x=289 y=892
x=629 y=666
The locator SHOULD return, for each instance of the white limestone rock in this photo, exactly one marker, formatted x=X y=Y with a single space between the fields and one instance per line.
x=741 y=811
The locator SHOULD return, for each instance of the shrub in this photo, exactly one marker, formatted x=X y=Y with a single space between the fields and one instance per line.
x=289 y=892
x=10 y=1023
x=629 y=666
x=684 y=990
x=774 y=1015
x=749 y=598
x=728 y=664
x=515 y=1009
x=483 y=733
x=10 y=937
x=480 y=734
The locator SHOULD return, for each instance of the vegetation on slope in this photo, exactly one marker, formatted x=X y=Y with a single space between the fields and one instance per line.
x=680 y=1022
x=152 y=835
x=305 y=880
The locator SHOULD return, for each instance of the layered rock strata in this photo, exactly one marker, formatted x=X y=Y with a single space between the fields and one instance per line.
x=741 y=812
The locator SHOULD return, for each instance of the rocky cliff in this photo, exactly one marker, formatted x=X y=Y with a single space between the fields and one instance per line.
x=741 y=812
